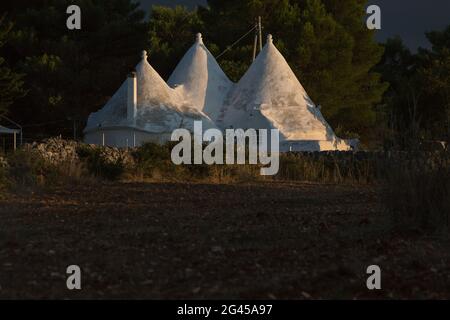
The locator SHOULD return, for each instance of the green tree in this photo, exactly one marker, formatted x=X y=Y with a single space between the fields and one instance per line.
x=11 y=84
x=436 y=80
x=416 y=105
x=363 y=86
x=171 y=32
x=400 y=108
x=71 y=73
x=326 y=43
x=236 y=19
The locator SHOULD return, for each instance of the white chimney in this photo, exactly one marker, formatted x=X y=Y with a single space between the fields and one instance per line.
x=199 y=38
x=132 y=98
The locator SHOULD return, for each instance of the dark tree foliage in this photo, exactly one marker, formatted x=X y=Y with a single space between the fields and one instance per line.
x=417 y=103
x=71 y=73
x=399 y=108
x=326 y=43
x=436 y=77
x=171 y=32
x=10 y=82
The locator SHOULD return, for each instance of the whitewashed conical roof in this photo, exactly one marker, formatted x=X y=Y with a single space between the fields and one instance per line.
x=199 y=79
x=269 y=95
x=152 y=90
x=160 y=109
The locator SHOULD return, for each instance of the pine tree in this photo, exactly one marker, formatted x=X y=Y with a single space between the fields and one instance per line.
x=71 y=73
x=363 y=84
x=417 y=103
x=326 y=43
x=435 y=74
x=171 y=32
x=228 y=20
x=399 y=110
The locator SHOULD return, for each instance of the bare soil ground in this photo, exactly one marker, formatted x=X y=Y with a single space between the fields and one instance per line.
x=161 y=240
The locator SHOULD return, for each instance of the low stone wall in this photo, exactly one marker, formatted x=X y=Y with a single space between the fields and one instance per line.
x=57 y=151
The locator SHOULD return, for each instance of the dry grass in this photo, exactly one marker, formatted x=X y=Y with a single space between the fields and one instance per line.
x=417 y=191
x=331 y=167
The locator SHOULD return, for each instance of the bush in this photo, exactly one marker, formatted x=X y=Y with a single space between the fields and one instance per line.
x=27 y=168
x=4 y=181
x=152 y=152
x=153 y=161
x=100 y=164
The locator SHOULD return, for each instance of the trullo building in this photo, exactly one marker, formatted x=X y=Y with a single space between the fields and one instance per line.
x=144 y=109
x=269 y=96
x=199 y=78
